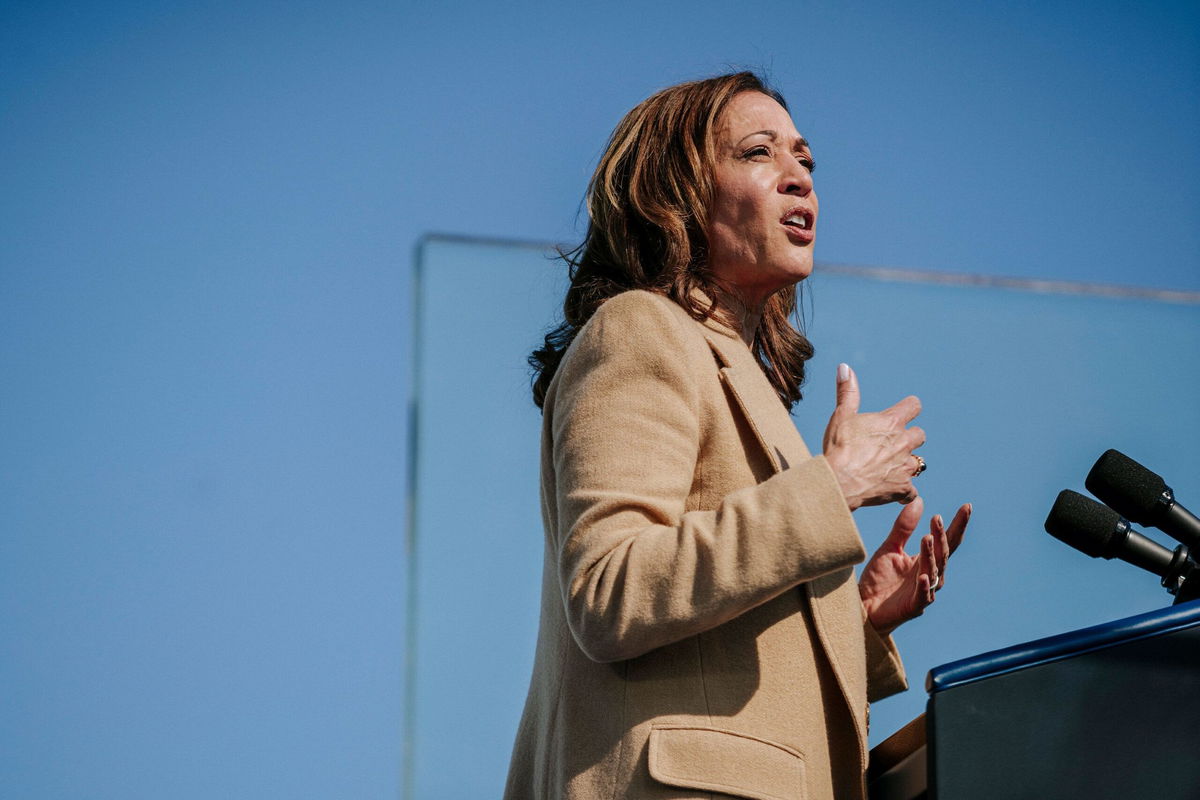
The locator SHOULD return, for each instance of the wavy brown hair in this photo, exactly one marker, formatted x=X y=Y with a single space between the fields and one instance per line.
x=647 y=205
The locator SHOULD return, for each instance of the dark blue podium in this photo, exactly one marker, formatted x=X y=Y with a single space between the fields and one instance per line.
x=1111 y=711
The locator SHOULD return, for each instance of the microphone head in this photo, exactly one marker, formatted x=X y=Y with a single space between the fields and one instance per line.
x=1130 y=489
x=1085 y=524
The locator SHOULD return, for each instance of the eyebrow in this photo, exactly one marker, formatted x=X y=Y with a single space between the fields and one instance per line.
x=801 y=142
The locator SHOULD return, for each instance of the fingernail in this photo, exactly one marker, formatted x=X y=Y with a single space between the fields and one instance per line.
x=843 y=373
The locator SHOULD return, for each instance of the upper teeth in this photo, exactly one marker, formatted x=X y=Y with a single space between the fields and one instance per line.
x=797 y=219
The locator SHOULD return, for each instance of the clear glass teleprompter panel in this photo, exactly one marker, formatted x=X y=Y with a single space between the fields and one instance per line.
x=1023 y=386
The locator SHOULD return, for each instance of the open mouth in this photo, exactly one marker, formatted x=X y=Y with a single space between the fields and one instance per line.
x=799 y=219
x=799 y=224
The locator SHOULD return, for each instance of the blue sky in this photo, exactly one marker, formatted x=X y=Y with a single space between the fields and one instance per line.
x=206 y=241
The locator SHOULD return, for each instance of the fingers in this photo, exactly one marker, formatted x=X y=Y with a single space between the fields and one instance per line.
x=946 y=541
x=927 y=572
x=919 y=465
x=906 y=522
x=941 y=549
x=911 y=439
x=906 y=410
x=958 y=526
x=848 y=396
x=871 y=454
x=905 y=494
x=924 y=594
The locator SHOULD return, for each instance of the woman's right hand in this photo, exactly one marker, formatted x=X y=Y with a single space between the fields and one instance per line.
x=871 y=454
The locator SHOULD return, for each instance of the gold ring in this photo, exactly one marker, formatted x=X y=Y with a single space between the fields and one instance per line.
x=921 y=465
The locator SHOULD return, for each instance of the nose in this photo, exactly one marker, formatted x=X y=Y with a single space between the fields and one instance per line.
x=796 y=180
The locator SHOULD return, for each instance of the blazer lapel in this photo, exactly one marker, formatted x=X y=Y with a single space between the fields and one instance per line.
x=756 y=399
x=832 y=597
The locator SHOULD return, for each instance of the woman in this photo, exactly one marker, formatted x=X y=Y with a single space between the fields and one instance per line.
x=701 y=632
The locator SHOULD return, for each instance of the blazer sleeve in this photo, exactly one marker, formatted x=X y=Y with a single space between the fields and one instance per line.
x=885 y=670
x=636 y=568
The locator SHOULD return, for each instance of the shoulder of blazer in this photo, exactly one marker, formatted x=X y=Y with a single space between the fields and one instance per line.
x=644 y=319
x=723 y=342
x=638 y=325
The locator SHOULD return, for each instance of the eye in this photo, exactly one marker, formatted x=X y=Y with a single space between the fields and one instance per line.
x=757 y=152
x=807 y=162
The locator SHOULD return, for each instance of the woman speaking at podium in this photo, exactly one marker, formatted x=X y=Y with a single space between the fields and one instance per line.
x=702 y=633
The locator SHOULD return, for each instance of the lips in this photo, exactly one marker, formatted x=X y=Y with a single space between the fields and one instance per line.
x=799 y=222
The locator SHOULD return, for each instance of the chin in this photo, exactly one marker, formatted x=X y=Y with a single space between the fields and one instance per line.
x=801 y=271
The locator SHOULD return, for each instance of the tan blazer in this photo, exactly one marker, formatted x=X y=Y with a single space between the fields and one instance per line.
x=701 y=633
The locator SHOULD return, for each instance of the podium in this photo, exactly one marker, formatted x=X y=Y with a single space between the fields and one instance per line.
x=1111 y=711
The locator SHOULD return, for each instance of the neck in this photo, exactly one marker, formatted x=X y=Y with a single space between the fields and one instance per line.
x=737 y=311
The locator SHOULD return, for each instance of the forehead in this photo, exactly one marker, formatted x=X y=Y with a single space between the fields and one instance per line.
x=749 y=112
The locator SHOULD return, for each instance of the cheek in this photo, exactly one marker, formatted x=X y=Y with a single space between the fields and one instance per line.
x=745 y=206
x=729 y=217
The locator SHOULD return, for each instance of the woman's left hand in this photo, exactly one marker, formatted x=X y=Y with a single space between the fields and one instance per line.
x=894 y=586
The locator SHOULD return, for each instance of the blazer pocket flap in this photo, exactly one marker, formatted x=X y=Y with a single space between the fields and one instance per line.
x=719 y=760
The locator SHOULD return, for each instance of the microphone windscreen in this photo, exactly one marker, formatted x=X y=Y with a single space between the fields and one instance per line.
x=1084 y=524
x=1130 y=489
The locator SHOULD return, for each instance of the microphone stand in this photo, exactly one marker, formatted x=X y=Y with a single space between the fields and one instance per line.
x=1182 y=577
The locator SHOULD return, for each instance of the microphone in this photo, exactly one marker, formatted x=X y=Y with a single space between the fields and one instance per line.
x=1143 y=496
x=1100 y=532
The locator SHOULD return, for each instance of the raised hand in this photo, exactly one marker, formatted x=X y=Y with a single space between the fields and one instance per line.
x=871 y=454
x=894 y=586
